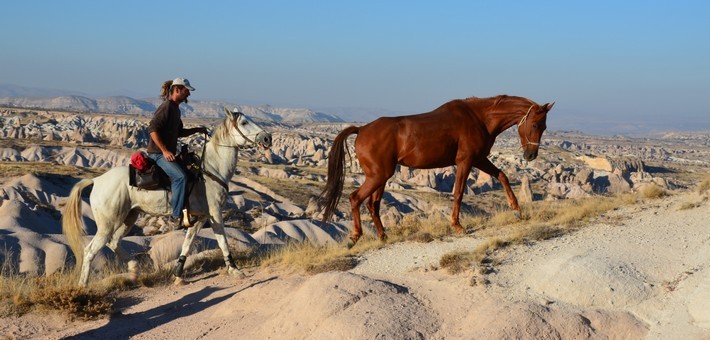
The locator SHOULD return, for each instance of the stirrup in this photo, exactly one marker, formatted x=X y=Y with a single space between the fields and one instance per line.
x=187 y=220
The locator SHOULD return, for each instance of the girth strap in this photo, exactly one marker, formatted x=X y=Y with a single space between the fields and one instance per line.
x=216 y=179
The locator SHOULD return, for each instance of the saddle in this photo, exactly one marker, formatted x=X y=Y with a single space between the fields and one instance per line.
x=144 y=173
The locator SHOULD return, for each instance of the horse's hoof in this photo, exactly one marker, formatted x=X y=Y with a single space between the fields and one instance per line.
x=383 y=238
x=459 y=229
x=517 y=215
x=179 y=282
x=351 y=242
x=235 y=272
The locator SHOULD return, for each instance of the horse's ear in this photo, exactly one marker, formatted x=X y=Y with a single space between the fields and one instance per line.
x=547 y=107
x=230 y=114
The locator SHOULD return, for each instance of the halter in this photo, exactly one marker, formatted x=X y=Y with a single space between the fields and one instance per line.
x=520 y=124
x=236 y=127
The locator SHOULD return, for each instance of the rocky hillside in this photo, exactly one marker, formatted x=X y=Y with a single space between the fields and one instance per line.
x=146 y=107
x=571 y=165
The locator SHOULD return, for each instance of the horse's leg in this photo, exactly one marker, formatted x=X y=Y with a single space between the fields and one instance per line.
x=373 y=205
x=219 y=235
x=186 y=247
x=462 y=170
x=356 y=199
x=114 y=244
x=98 y=242
x=488 y=167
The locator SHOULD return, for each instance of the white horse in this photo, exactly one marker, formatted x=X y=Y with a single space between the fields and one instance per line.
x=116 y=205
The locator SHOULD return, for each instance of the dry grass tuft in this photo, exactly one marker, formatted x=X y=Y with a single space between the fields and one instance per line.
x=56 y=292
x=456 y=262
x=156 y=278
x=696 y=200
x=502 y=218
x=336 y=264
x=704 y=185
x=78 y=302
x=308 y=257
x=420 y=228
x=652 y=191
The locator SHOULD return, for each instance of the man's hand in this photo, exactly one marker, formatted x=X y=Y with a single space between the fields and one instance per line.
x=169 y=156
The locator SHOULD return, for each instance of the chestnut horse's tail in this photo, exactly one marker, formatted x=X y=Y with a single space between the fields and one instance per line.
x=72 y=224
x=336 y=171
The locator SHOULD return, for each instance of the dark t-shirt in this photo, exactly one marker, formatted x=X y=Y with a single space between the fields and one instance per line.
x=166 y=121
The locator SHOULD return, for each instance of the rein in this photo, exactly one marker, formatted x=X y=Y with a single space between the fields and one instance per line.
x=209 y=174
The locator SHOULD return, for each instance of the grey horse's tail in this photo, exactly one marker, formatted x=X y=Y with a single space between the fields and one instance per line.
x=72 y=224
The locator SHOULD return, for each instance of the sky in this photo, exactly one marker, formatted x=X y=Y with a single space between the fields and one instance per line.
x=608 y=65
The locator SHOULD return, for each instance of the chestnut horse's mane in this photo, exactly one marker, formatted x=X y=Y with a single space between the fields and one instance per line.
x=497 y=100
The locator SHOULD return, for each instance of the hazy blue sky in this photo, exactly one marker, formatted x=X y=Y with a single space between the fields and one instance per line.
x=612 y=61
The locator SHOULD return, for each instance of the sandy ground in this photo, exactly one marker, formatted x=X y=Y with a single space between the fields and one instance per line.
x=638 y=272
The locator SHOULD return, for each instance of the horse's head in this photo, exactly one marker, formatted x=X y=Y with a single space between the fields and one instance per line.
x=531 y=127
x=244 y=130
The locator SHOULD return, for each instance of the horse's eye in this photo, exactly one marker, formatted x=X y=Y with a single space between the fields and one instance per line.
x=534 y=126
x=244 y=122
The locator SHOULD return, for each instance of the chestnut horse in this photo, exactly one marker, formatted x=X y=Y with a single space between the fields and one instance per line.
x=460 y=132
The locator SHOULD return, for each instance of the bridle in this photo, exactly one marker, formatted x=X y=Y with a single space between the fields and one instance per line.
x=520 y=124
x=235 y=125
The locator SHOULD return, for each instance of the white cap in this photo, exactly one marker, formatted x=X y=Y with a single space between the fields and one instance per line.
x=183 y=82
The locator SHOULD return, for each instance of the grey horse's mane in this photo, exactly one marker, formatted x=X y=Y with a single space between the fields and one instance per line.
x=221 y=132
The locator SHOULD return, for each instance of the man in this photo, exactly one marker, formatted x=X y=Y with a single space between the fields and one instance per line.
x=165 y=128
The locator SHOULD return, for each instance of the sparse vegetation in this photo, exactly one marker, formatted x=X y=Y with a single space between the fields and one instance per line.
x=652 y=191
x=24 y=293
x=13 y=169
x=693 y=201
x=57 y=292
x=308 y=257
x=539 y=221
x=704 y=185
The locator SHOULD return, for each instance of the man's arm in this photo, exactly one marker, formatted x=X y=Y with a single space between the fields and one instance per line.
x=187 y=132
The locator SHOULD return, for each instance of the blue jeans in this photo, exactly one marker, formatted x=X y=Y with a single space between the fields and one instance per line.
x=177 y=181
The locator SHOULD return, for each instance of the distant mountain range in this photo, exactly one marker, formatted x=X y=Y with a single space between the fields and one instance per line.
x=24 y=97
